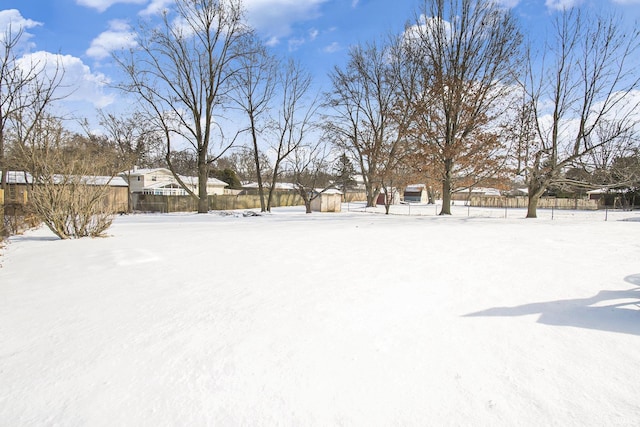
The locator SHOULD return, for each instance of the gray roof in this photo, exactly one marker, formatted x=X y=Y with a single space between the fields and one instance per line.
x=19 y=177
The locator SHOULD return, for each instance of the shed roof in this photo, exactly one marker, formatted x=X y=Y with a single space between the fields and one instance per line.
x=20 y=177
x=328 y=191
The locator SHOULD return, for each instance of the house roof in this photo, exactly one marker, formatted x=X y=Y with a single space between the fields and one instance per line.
x=279 y=185
x=415 y=188
x=20 y=177
x=481 y=190
x=192 y=180
x=607 y=191
x=328 y=191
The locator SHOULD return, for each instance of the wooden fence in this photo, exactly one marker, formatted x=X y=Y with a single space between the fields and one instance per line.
x=522 y=202
x=165 y=204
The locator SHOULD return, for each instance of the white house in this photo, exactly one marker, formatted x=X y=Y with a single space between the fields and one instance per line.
x=160 y=181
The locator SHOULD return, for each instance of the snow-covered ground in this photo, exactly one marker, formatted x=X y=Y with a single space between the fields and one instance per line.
x=325 y=319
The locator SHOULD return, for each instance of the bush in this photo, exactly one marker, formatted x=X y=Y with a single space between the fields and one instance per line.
x=71 y=207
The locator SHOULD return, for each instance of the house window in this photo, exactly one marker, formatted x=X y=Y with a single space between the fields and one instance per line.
x=138 y=178
x=154 y=178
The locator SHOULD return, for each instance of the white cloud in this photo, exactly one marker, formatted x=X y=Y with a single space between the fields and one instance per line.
x=562 y=4
x=118 y=36
x=276 y=17
x=78 y=82
x=508 y=3
x=426 y=28
x=102 y=5
x=156 y=7
x=12 y=20
x=625 y=2
x=313 y=34
x=332 y=48
x=273 y=41
x=294 y=44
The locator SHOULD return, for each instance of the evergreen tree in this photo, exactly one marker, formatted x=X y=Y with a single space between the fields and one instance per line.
x=344 y=173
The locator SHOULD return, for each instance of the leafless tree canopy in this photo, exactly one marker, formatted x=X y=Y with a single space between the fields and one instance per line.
x=581 y=95
x=26 y=93
x=255 y=84
x=309 y=168
x=181 y=73
x=296 y=117
x=366 y=116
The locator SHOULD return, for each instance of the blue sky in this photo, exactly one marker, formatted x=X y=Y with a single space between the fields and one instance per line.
x=318 y=32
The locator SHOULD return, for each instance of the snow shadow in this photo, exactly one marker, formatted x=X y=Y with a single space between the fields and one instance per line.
x=31 y=238
x=613 y=311
x=634 y=279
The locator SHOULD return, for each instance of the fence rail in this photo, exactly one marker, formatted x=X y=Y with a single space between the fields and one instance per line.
x=521 y=202
x=164 y=204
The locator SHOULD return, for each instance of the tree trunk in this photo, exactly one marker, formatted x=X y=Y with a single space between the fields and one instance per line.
x=256 y=159
x=535 y=192
x=430 y=196
x=446 y=189
x=203 y=175
x=371 y=198
x=388 y=200
x=532 y=207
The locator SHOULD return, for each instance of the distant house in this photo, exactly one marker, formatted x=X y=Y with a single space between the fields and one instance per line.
x=609 y=197
x=416 y=193
x=19 y=182
x=161 y=182
x=465 y=194
x=603 y=193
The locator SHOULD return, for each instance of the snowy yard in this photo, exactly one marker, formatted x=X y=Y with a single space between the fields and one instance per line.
x=354 y=319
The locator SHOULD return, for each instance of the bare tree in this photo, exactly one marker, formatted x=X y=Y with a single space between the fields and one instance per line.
x=586 y=78
x=181 y=71
x=294 y=123
x=470 y=54
x=242 y=161
x=26 y=92
x=132 y=137
x=368 y=119
x=309 y=166
x=254 y=84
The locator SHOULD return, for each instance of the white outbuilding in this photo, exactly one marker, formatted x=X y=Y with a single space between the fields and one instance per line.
x=329 y=200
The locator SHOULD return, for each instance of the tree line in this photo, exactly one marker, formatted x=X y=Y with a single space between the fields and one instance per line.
x=458 y=99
